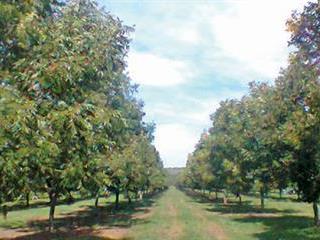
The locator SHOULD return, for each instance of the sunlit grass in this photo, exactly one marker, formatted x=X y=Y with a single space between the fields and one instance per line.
x=175 y=215
x=280 y=219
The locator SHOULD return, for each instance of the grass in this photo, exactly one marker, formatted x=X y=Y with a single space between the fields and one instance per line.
x=22 y=217
x=175 y=216
x=172 y=215
x=281 y=219
x=79 y=220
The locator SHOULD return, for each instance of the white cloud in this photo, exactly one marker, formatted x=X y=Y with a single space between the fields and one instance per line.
x=178 y=129
x=174 y=141
x=187 y=33
x=150 y=69
x=254 y=33
x=195 y=116
x=201 y=115
x=232 y=40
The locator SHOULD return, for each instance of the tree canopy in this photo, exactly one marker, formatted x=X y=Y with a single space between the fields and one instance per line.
x=69 y=117
x=270 y=137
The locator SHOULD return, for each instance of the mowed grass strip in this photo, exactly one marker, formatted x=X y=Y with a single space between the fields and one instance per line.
x=177 y=217
x=163 y=222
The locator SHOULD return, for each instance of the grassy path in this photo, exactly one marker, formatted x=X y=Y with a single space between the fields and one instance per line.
x=176 y=216
x=171 y=215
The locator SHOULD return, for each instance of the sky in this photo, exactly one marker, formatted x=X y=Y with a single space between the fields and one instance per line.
x=188 y=55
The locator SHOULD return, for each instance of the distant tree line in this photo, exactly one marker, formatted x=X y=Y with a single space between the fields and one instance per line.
x=270 y=138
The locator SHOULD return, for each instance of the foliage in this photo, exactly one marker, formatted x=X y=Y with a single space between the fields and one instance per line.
x=67 y=105
x=269 y=138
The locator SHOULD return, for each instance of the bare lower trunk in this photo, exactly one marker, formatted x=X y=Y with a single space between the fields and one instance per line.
x=4 y=212
x=240 y=199
x=298 y=195
x=96 y=203
x=140 y=195
x=216 y=194
x=225 y=199
x=261 y=197
x=53 y=203
x=128 y=196
x=316 y=213
x=70 y=198
x=27 y=199
x=117 y=198
x=280 y=193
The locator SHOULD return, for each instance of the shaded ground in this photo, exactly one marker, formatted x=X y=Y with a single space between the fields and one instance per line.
x=172 y=215
x=87 y=222
x=280 y=219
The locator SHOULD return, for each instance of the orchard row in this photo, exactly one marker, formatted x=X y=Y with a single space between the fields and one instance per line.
x=270 y=138
x=69 y=117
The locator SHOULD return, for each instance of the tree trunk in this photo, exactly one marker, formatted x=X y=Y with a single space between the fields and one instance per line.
x=240 y=199
x=316 y=213
x=4 y=212
x=136 y=195
x=140 y=195
x=96 y=203
x=53 y=203
x=70 y=198
x=225 y=198
x=117 y=198
x=280 y=193
x=216 y=194
x=27 y=199
x=298 y=195
x=261 y=197
x=266 y=192
x=128 y=196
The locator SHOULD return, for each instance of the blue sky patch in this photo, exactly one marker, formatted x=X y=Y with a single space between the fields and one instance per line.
x=189 y=55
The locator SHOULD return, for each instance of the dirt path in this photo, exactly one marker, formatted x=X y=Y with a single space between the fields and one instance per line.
x=208 y=228
x=176 y=229
x=212 y=229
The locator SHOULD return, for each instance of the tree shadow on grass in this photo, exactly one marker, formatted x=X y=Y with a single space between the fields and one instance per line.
x=85 y=223
x=279 y=224
x=234 y=207
x=246 y=208
x=284 y=227
x=80 y=235
x=285 y=198
x=21 y=205
x=200 y=198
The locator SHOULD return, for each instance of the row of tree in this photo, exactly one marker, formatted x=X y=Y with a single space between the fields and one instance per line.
x=271 y=137
x=69 y=118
